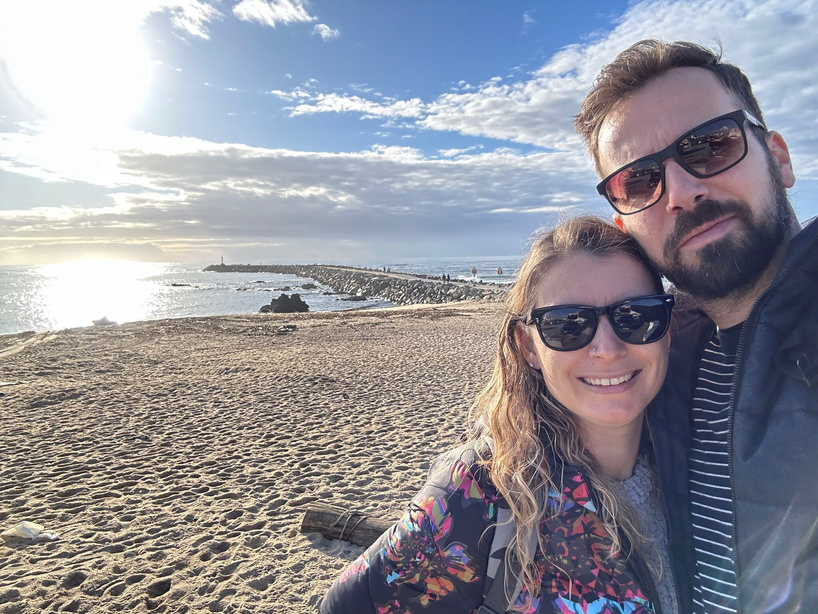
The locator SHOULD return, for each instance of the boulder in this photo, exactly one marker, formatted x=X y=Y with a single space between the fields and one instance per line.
x=286 y=304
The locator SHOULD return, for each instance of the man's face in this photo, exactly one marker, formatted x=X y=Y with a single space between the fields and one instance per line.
x=709 y=236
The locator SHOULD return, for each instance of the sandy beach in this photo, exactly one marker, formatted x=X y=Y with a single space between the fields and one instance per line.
x=175 y=458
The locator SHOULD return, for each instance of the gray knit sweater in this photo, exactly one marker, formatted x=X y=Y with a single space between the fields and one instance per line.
x=638 y=490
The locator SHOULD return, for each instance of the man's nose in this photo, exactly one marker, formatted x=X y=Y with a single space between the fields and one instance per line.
x=605 y=344
x=682 y=190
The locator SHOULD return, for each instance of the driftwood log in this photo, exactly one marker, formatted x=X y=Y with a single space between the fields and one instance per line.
x=337 y=523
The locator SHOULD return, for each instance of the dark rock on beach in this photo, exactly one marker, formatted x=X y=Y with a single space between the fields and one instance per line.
x=286 y=304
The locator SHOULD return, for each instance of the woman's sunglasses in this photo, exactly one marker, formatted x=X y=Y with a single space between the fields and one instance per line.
x=707 y=150
x=638 y=320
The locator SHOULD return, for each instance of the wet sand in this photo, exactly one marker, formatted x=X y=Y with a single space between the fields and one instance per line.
x=175 y=458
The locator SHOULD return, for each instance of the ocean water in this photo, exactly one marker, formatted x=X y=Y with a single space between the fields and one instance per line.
x=57 y=296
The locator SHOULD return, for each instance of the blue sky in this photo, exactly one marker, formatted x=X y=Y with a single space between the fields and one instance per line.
x=360 y=131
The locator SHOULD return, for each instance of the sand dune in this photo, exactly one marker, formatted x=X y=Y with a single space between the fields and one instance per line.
x=175 y=458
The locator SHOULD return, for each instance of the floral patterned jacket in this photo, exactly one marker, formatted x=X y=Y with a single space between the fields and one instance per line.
x=436 y=558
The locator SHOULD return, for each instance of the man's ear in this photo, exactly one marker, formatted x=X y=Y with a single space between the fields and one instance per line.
x=526 y=345
x=617 y=219
x=781 y=155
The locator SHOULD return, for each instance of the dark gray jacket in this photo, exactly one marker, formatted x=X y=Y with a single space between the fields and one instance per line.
x=772 y=441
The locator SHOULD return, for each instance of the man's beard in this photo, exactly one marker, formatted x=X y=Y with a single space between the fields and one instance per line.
x=732 y=263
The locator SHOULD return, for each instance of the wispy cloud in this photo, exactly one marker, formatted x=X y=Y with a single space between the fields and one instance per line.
x=190 y=16
x=273 y=12
x=339 y=103
x=325 y=32
x=451 y=153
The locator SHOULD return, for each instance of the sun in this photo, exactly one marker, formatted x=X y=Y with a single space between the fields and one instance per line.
x=79 y=64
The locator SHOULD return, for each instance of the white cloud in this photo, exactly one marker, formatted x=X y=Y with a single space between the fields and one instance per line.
x=183 y=189
x=339 y=103
x=451 y=153
x=325 y=32
x=294 y=94
x=528 y=19
x=273 y=12
x=190 y=16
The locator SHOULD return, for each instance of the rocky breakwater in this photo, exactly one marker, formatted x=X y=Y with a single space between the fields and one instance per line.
x=396 y=288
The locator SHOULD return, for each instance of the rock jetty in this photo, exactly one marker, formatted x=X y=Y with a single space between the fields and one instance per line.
x=395 y=288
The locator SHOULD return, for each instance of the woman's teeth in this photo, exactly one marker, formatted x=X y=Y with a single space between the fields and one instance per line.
x=593 y=381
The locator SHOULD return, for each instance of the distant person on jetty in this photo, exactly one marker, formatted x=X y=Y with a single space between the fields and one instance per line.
x=556 y=460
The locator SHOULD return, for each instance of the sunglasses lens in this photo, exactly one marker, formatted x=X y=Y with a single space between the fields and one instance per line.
x=641 y=320
x=635 y=187
x=713 y=147
x=567 y=328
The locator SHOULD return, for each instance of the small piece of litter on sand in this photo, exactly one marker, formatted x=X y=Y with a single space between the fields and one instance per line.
x=28 y=530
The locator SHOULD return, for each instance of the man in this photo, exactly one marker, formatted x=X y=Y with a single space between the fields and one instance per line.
x=693 y=174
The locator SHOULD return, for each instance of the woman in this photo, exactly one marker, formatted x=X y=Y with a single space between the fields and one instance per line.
x=556 y=456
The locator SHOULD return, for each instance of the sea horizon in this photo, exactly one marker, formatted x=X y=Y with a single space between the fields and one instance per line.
x=74 y=294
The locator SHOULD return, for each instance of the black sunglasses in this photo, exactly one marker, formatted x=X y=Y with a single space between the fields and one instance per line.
x=707 y=150
x=638 y=320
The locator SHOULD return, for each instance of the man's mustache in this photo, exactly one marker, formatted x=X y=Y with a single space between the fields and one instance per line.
x=706 y=211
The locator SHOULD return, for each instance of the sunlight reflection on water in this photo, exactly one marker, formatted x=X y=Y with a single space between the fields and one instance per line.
x=74 y=293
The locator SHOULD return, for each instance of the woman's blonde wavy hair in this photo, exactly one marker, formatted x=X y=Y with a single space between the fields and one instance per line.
x=528 y=427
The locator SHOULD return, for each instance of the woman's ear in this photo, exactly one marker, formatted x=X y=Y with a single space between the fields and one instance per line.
x=526 y=345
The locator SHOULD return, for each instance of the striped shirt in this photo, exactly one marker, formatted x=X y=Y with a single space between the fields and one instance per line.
x=715 y=590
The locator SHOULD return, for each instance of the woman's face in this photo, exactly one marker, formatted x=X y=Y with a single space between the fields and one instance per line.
x=608 y=383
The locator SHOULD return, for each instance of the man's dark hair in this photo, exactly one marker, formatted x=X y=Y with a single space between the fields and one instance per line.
x=641 y=63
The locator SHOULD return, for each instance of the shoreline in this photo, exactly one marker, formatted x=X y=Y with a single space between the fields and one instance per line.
x=175 y=457
x=380 y=290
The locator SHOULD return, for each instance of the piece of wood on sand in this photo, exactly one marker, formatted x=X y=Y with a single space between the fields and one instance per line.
x=338 y=523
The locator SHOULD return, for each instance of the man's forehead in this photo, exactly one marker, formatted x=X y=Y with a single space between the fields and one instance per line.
x=661 y=111
x=626 y=136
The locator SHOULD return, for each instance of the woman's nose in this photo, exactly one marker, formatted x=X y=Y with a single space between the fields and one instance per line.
x=605 y=343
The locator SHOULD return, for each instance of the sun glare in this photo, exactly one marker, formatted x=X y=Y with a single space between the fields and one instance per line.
x=80 y=64
x=78 y=292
